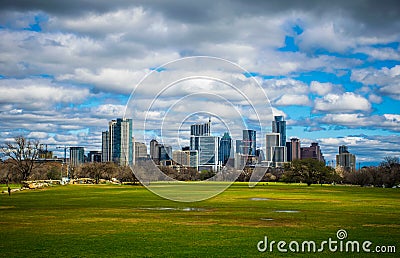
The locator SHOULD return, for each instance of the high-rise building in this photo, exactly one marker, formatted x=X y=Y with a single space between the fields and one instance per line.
x=279 y=156
x=105 y=146
x=272 y=140
x=249 y=142
x=94 y=156
x=239 y=147
x=140 y=151
x=293 y=149
x=274 y=153
x=279 y=126
x=154 y=151
x=225 y=148
x=76 y=156
x=207 y=147
x=201 y=129
x=345 y=159
x=312 y=152
x=122 y=142
x=117 y=143
x=165 y=152
x=343 y=149
x=111 y=134
x=186 y=158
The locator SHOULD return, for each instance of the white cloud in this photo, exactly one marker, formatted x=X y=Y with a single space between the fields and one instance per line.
x=386 y=121
x=107 y=79
x=381 y=53
x=110 y=111
x=323 y=88
x=38 y=93
x=346 y=102
x=375 y=98
x=387 y=80
x=293 y=100
x=38 y=135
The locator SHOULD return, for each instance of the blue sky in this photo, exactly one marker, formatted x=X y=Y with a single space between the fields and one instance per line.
x=332 y=69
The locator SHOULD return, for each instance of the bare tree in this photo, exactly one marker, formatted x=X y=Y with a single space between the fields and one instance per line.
x=23 y=153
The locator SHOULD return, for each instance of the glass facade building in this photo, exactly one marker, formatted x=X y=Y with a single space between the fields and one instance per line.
x=279 y=126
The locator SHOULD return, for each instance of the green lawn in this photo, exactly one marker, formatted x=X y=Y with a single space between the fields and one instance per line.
x=105 y=220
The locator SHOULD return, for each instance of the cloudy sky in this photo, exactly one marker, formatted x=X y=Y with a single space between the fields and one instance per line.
x=333 y=69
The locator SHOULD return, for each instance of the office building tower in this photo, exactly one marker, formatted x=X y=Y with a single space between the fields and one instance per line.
x=105 y=146
x=122 y=145
x=207 y=147
x=117 y=142
x=249 y=142
x=140 y=151
x=201 y=129
x=165 y=152
x=239 y=147
x=279 y=156
x=343 y=149
x=293 y=149
x=279 y=126
x=225 y=148
x=186 y=158
x=345 y=160
x=272 y=140
x=154 y=150
x=312 y=152
x=76 y=156
x=95 y=156
x=111 y=134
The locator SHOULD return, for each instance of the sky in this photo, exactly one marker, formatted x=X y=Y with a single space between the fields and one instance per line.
x=332 y=68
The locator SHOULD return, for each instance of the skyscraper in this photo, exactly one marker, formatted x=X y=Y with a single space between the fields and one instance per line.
x=140 y=151
x=293 y=149
x=105 y=143
x=249 y=142
x=201 y=129
x=187 y=158
x=111 y=135
x=279 y=126
x=312 y=152
x=225 y=147
x=76 y=156
x=272 y=140
x=154 y=151
x=207 y=147
x=165 y=152
x=239 y=147
x=118 y=142
x=122 y=142
x=345 y=159
x=94 y=156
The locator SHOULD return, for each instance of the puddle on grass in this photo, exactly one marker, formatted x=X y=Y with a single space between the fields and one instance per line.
x=259 y=199
x=172 y=209
x=286 y=211
x=266 y=219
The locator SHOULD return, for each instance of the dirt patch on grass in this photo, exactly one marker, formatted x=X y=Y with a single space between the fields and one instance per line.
x=6 y=207
x=382 y=225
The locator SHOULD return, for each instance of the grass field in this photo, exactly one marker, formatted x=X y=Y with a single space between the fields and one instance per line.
x=114 y=221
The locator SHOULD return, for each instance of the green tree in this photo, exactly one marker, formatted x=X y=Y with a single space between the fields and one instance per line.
x=309 y=171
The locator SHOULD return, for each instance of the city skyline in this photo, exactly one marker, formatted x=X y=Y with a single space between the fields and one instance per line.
x=332 y=70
